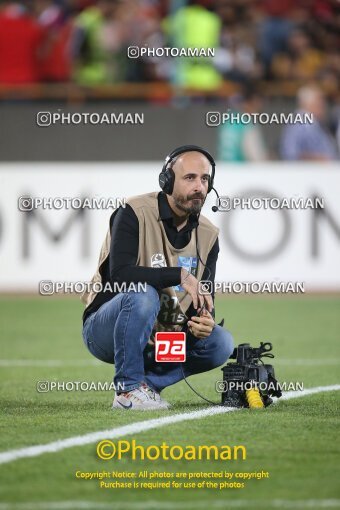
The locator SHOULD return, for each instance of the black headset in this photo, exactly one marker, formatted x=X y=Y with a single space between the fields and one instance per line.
x=167 y=176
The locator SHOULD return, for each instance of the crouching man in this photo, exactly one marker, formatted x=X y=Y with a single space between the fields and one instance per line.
x=162 y=241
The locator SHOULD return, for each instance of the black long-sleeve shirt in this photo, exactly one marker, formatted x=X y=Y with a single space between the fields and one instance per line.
x=121 y=264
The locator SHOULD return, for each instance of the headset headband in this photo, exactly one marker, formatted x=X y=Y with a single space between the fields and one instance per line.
x=189 y=148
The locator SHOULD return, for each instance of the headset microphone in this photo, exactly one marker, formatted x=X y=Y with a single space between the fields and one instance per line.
x=215 y=208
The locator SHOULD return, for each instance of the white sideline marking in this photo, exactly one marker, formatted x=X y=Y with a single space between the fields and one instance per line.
x=307 y=362
x=135 y=428
x=170 y=505
x=94 y=362
x=48 y=363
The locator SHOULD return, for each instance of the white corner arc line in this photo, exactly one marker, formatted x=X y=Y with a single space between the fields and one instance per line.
x=276 y=504
x=136 y=427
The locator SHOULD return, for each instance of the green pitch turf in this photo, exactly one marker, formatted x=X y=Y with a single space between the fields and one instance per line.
x=296 y=441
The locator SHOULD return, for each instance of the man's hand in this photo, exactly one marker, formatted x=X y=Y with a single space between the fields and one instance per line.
x=201 y=327
x=190 y=284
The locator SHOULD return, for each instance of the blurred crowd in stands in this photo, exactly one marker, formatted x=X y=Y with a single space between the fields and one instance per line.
x=277 y=41
x=86 y=41
x=315 y=141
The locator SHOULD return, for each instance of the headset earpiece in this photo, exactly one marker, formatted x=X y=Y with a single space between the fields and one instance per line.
x=167 y=180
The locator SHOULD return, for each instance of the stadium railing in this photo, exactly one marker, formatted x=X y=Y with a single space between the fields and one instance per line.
x=152 y=91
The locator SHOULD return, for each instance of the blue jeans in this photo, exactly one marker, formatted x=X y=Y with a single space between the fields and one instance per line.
x=118 y=333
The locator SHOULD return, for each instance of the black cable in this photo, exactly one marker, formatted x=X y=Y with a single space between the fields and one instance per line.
x=199 y=256
x=198 y=394
x=185 y=379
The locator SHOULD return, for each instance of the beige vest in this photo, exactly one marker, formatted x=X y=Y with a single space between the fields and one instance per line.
x=156 y=251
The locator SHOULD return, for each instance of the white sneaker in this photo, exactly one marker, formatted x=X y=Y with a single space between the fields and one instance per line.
x=156 y=396
x=140 y=399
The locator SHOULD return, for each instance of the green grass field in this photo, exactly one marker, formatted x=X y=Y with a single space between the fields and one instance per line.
x=296 y=440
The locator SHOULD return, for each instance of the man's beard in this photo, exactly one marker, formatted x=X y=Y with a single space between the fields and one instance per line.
x=181 y=202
